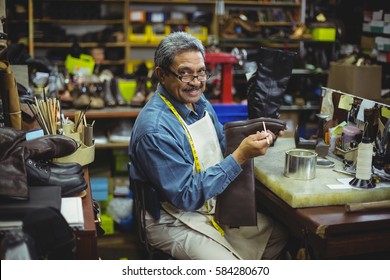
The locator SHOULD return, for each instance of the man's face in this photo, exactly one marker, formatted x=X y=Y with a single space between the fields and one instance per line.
x=187 y=63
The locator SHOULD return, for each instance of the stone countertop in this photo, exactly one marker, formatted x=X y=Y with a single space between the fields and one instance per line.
x=269 y=171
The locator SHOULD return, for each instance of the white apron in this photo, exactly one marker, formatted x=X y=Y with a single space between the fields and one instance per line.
x=243 y=242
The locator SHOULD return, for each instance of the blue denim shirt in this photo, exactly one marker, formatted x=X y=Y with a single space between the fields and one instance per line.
x=161 y=157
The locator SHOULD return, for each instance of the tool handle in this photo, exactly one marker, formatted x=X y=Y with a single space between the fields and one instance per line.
x=353 y=207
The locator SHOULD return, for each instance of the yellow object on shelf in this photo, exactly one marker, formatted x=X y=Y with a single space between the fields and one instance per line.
x=133 y=64
x=200 y=32
x=156 y=37
x=84 y=64
x=324 y=34
x=127 y=88
x=140 y=38
x=107 y=224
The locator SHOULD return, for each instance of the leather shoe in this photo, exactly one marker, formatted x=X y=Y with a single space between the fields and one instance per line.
x=62 y=168
x=49 y=146
x=38 y=176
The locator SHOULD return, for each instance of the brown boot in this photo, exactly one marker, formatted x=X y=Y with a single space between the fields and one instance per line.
x=108 y=97
x=139 y=97
x=236 y=206
x=117 y=93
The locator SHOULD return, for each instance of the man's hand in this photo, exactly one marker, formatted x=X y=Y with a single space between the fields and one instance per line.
x=254 y=145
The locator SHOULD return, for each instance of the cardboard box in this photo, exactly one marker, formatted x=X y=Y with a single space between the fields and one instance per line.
x=362 y=81
x=367 y=42
x=292 y=120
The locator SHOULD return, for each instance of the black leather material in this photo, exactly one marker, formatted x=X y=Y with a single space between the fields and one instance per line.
x=70 y=183
x=44 y=196
x=53 y=237
x=266 y=87
x=49 y=146
x=64 y=168
x=236 y=206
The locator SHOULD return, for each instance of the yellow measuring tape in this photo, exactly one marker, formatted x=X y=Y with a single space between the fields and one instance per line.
x=195 y=155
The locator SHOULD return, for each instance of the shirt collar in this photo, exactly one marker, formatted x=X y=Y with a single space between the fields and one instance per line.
x=183 y=110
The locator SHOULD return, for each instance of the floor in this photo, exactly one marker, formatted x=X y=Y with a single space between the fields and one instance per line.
x=123 y=244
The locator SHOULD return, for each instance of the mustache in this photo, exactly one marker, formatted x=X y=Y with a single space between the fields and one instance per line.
x=192 y=88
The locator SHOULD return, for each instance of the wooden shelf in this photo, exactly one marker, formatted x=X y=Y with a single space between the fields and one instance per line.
x=80 y=21
x=107 y=113
x=112 y=145
x=82 y=44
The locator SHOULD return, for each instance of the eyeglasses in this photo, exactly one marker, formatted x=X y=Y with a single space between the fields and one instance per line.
x=202 y=77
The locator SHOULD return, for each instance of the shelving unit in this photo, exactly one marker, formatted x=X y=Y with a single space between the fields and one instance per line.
x=38 y=18
x=52 y=27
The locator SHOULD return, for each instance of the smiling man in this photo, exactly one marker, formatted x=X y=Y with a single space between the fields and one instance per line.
x=176 y=153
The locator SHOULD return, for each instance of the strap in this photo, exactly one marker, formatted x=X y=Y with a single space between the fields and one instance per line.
x=195 y=155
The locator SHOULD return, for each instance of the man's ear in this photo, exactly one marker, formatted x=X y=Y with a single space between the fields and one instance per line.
x=160 y=74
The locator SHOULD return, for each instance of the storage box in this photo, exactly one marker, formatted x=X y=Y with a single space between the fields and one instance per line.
x=99 y=188
x=231 y=112
x=121 y=159
x=367 y=42
x=382 y=44
x=158 y=32
x=324 y=34
x=363 y=81
x=200 y=32
x=139 y=34
x=84 y=64
x=127 y=88
x=133 y=64
x=137 y=16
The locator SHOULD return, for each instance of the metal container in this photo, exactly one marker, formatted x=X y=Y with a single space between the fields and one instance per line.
x=300 y=164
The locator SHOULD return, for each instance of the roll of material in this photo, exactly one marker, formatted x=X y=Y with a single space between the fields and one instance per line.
x=354 y=207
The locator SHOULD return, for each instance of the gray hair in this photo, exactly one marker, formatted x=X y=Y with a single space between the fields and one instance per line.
x=176 y=43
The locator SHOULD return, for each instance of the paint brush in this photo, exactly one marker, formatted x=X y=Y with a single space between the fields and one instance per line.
x=265 y=130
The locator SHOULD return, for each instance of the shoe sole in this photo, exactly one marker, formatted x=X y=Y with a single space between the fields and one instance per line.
x=74 y=191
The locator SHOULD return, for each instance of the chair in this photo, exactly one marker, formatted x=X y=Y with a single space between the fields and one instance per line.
x=139 y=198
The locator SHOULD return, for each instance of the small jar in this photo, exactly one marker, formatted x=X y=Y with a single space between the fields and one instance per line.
x=350 y=135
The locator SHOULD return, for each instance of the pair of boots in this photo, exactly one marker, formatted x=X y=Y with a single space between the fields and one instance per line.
x=16 y=154
x=111 y=93
x=142 y=94
x=236 y=206
x=69 y=176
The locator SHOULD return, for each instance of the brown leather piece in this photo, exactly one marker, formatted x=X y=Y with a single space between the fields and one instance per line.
x=236 y=206
x=13 y=180
x=48 y=147
x=10 y=97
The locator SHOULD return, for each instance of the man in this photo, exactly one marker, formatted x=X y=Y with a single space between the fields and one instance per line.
x=176 y=149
